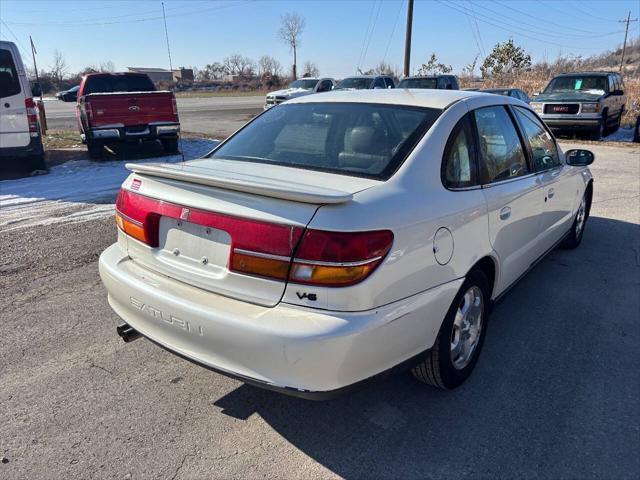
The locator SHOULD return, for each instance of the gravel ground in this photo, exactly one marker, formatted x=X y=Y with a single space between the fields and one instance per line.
x=555 y=393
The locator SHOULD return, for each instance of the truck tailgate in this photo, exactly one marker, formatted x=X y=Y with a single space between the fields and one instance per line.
x=131 y=108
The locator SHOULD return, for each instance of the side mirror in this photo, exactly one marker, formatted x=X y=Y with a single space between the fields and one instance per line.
x=535 y=94
x=579 y=157
x=36 y=91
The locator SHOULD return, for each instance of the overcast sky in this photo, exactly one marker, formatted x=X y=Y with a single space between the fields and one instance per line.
x=339 y=36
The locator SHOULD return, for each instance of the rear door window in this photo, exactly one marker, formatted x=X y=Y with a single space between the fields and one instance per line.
x=390 y=83
x=500 y=150
x=369 y=140
x=9 y=81
x=119 y=83
x=379 y=83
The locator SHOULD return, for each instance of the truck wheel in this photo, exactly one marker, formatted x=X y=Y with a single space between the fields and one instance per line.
x=599 y=132
x=170 y=145
x=457 y=348
x=574 y=237
x=96 y=149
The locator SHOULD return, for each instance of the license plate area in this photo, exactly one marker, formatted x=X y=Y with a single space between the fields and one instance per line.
x=189 y=247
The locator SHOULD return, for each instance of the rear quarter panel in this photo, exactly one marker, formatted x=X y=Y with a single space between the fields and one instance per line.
x=414 y=205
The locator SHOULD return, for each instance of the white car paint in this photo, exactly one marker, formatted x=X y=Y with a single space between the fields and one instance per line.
x=278 y=96
x=320 y=339
x=14 y=127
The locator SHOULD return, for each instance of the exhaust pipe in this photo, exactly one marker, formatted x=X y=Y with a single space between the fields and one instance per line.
x=127 y=333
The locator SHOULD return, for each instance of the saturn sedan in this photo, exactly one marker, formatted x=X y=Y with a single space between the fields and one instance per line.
x=343 y=236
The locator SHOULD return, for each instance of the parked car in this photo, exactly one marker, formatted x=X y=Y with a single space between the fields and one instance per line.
x=299 y=88
x=591 y=102
x=343 y=235
x=364 y=82
x=20 y=134
x=509 y=92
x=636 y=130
x=446 y=82
x=70 y=95
x=125 y=107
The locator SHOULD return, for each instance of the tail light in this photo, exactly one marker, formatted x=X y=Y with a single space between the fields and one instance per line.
x=174 y=104
x=88 y=111
x=32 y=116
x=323 y=258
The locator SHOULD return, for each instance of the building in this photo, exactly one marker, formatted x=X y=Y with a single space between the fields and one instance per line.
x=158 y=75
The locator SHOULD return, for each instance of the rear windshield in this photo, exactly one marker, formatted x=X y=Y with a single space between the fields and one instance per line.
x=9 y=82
x=359 y=83
x=418 y=83
x=306 y=84
x=118 y=83
x=580 y=83
x=368 y=140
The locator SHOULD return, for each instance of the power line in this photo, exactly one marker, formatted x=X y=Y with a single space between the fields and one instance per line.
x=21 y=47
x=475 y=21
x=366 y=34
x=473 y=31
x=393 y=30
x=139 y=20
x=589 y=14
x=373 y=27
x=515 y=32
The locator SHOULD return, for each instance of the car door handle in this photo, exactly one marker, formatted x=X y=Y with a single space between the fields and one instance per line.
x=505 y=213
x=551 y=192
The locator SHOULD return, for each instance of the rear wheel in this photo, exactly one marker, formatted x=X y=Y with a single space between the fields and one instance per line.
x=36 y=162
x=96 y=149
x=457 y=348
x=170 y=145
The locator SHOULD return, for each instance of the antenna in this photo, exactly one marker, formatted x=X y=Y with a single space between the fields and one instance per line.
x=166 y=34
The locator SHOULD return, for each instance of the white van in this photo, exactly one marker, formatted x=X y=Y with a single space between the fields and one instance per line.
x=20 y=139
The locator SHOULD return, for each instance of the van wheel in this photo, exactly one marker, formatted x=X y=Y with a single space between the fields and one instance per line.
x=574 y=238
x=170 y=145
x=457 y=348
x=96 y=149
x=37 y=162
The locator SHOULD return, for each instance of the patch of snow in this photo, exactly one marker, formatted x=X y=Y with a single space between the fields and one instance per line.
x=75 y=191
x=622 y=135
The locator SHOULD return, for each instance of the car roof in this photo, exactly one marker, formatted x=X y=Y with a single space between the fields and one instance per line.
x=601 y=74
x=427 y=76
x=394 y=96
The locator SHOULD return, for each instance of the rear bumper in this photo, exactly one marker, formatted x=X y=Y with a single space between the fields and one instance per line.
x=151 y=131
x=34 y=148
x=305 y=352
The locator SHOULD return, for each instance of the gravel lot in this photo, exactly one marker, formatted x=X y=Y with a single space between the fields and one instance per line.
x=555 y=393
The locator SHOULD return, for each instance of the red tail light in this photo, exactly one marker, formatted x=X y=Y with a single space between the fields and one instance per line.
x=88 y=111
x=323 y=258
x=32 y=116
x=174 y=104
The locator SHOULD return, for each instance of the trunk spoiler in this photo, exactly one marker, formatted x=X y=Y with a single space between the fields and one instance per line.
x=268 y=187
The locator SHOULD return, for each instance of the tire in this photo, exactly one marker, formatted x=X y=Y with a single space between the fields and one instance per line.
x=574 y=237
x=442 y=369
x=636 y=132
x=95 y=149
x=170 y=145
x=601 y=129
x=37 y=162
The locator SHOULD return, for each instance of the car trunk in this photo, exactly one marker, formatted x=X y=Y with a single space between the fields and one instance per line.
x=207 y=213
x=130 y=109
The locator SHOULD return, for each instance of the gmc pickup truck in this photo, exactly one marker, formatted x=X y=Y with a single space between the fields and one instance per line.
x=125 y=107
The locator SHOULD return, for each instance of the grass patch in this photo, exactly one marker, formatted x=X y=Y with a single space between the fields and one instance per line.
x=61 y=139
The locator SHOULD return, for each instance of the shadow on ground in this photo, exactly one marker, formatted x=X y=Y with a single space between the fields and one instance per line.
x=554 y=394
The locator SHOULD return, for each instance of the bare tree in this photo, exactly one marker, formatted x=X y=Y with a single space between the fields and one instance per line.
x=236 y=64
x=310 y=70
x=107 y=66
x=291 y=27
x=269 y=66
x=59 y=68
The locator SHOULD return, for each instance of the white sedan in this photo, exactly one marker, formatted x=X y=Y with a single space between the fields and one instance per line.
x=345 y=235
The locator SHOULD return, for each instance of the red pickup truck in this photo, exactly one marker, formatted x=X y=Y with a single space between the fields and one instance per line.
x=125 y=107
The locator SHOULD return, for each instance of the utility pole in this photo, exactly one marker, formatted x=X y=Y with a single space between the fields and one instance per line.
x=35 y=66
x=626 y=32
x=407 y=44
x=166 y=34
